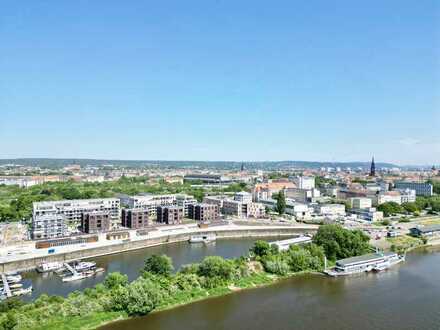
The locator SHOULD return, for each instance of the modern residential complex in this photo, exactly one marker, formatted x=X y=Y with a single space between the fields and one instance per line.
x=49 y=226
x=73 y=210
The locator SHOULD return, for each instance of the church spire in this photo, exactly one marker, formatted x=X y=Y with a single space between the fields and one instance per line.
x=373 y=168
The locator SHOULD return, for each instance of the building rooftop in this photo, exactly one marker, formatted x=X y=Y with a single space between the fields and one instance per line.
x=363 y=258
x=429 y=228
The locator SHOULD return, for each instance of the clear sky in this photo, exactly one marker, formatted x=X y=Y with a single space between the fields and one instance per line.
x=221 y=80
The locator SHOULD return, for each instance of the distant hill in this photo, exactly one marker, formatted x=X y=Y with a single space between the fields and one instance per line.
x=54 y=163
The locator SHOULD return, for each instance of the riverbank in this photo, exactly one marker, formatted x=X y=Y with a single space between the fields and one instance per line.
x=99 y=320
x=31 y=258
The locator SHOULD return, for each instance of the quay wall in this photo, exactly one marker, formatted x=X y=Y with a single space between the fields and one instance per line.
x=84 y=253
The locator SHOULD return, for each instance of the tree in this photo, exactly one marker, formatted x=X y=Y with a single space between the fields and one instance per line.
x=411 y=207
x=261 y=248
x=159 y=265
x=390 y=208
x=281 y=202
x=215 y=266
x=339 y=243
x=115 y=279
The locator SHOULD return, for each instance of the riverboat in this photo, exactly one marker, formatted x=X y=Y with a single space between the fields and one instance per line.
x=206 y=238
x=84 y=265
x=365 y=263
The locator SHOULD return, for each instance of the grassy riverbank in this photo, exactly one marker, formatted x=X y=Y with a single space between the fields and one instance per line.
x=159 y=288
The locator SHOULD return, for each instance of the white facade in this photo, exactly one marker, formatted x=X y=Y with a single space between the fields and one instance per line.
x=386 y=198
x=330 y=209
x=305 y=182
x=73 y=209
x=49 y=226
x=407 y=195
x=243 y=197
x=361 y=203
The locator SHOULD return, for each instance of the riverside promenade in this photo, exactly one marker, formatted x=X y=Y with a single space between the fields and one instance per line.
x=27 y=257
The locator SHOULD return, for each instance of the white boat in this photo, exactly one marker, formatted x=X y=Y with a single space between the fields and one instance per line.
x=21 y=292
x=394 y=260
x=205 y=238
x=49 y=267
x=16 y=286
x=13 y=278
x=74 y=277
x=84 y=265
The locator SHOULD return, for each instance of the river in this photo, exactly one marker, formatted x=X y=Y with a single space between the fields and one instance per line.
x=131 y=263
x=405 y=297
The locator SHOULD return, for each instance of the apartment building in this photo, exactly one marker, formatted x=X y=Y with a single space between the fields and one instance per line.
x=243 y=197
x=330 y=209
x=148 y=202
x=49 y=226
x=95 y=222
x=170 y=215
x=360 y=203
x=422 y=189
x=135 y=218
x=304 y=182
x=73 y=210
x=407 y=195
x=185 y=201
x=204 y=212
x=390 y=196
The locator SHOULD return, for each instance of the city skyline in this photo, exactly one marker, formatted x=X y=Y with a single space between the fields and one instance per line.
x=223 y=81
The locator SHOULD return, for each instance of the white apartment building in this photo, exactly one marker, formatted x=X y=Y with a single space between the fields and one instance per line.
x=304 y=182
x=72 y=210
x=243 y=197
x=185 y=201
x=49 y=226
x=369 y=214
x=407 y=195
x=391 y=196
x=302 y=195
x=149 y=202
x=330 y=209
x=361 y=203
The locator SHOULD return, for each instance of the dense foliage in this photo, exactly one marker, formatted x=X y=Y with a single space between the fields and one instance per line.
x=340 y=243
x=390 y=208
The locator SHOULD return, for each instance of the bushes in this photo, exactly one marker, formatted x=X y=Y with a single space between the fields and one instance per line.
x=215 y=266
x=276 y=265
x=138 y=298
x=115 y=279
x=159 y=265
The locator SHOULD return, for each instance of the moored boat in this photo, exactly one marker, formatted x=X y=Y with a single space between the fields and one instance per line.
x=47 y=267
x=205 y=238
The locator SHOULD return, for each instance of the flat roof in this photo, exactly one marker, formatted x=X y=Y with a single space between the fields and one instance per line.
x=428 y=228
x=363 y=258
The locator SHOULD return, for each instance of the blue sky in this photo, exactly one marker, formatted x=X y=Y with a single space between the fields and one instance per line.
x=221 y=80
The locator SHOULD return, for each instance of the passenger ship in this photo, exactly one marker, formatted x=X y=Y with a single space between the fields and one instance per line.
x=365 y=263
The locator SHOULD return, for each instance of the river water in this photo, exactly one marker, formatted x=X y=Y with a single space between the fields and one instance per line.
x=131 y=263
x=405 y=297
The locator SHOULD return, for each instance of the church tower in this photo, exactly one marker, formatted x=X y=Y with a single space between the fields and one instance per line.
x=373 y=168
